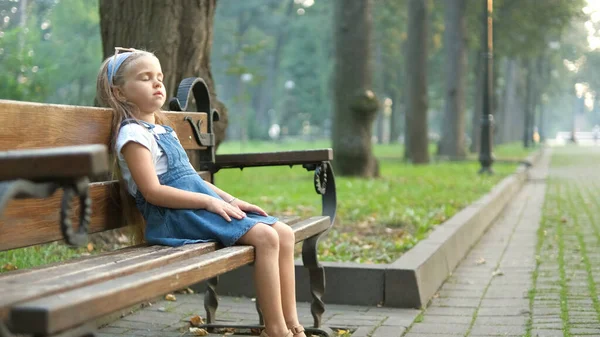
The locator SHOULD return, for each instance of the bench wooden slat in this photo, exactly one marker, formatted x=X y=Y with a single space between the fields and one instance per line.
x=33 y=221
x=40 y=164
x=58 y=312
x=54 y=313
x=273 y=158
x=50 y=125
x=59 y=277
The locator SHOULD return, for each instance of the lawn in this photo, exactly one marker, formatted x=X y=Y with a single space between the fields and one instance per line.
x=377 y=220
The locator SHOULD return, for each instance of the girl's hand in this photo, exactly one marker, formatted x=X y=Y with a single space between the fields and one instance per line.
x=248 y=207
x=224 y=209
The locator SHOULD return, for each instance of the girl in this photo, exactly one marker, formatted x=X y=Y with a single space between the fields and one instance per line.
x=177 y=205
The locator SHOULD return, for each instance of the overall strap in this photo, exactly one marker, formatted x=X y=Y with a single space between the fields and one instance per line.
x=136 y=121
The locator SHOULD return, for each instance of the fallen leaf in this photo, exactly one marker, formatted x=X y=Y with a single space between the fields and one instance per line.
x=480 y=261
x=342 y=332
x=196 y=320
x=563 y=219
x=170 y=297
x=198 y=331
x=227 y=331
x=497 y=272
x=9 y=267
x=255 y=331
x=90 y=247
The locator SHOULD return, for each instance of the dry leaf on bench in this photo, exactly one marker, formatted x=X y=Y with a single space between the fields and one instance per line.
x=196 y=321
x=170 y=297
x=198 y=332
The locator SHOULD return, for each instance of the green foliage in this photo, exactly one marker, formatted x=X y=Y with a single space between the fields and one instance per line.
x=53 y=54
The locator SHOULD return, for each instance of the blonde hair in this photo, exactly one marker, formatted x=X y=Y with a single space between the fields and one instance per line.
x=123 y=110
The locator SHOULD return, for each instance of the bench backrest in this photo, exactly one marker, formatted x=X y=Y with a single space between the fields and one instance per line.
x=27 y=125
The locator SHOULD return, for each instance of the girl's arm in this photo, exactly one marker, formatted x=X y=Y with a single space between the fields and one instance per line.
x=224 y=195
x=139 y=161
x=241 y=204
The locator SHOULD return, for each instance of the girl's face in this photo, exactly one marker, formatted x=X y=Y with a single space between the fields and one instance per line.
x=143 y=84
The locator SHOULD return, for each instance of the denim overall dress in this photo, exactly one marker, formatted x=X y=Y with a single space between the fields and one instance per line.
x=176 y=227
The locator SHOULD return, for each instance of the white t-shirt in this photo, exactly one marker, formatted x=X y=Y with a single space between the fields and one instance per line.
x=134 y=132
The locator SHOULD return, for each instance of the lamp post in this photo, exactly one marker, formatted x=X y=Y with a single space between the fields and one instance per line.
x=486 y=158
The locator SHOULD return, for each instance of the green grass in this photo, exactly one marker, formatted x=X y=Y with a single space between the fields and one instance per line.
x=377 y=219
x=37 y=255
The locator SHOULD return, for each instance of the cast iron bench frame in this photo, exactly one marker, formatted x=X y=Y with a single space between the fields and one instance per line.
x=113 y=281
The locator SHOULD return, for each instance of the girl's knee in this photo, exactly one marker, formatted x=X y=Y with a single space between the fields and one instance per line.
x=285 y=233
x=262 y=236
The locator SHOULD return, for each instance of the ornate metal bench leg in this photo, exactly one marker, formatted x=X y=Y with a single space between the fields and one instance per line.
x=261 y=319
x=211 y=302
x=317 y=278
x=4 y=331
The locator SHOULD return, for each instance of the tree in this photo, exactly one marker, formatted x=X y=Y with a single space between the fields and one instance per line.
x=179 y=33
x=355 y=104
x=416 y=130
x=452 y=143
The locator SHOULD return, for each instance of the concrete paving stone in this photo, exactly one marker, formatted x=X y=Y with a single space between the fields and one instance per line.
x=137 y=325
x=388 y=331
x=512 y=303
x=498 y=312
x=547 y=311
x=362 y=331
x=498 y=330
x=393 y=312
x=549 y=325
x=545 y=319
x=464 y=286
x=503 y=294
x=336 y=322
x=440 y=328
x=114 y=330
x=506 y=320
x=456 y=302
x=585 y=331
x=445 y=311
x=166 y=318
x=453 y=293
x=546 y=303
x=546 y=333
x=447 y=319
x=419 y=334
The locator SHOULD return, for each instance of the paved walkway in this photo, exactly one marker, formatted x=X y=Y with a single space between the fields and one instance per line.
x=529 y=275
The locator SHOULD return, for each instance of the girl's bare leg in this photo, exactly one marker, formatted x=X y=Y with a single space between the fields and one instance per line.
x=286 y=274
x=266 y=276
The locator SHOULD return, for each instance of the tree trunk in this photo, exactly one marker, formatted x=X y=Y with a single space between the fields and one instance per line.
x=355 y=104
x=452 y=143
x=180 y=35
x=509 y=102
x=477 y=102
x=528 y=105
x=269 y=89
x=416 y=130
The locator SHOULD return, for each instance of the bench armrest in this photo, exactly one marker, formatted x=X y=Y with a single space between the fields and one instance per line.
x=54 y=163
x=284 y=158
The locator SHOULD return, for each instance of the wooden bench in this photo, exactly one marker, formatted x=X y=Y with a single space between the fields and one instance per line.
x=48 y=148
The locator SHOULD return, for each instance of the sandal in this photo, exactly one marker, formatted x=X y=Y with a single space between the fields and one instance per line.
x=297 y=329
x=264 y=333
